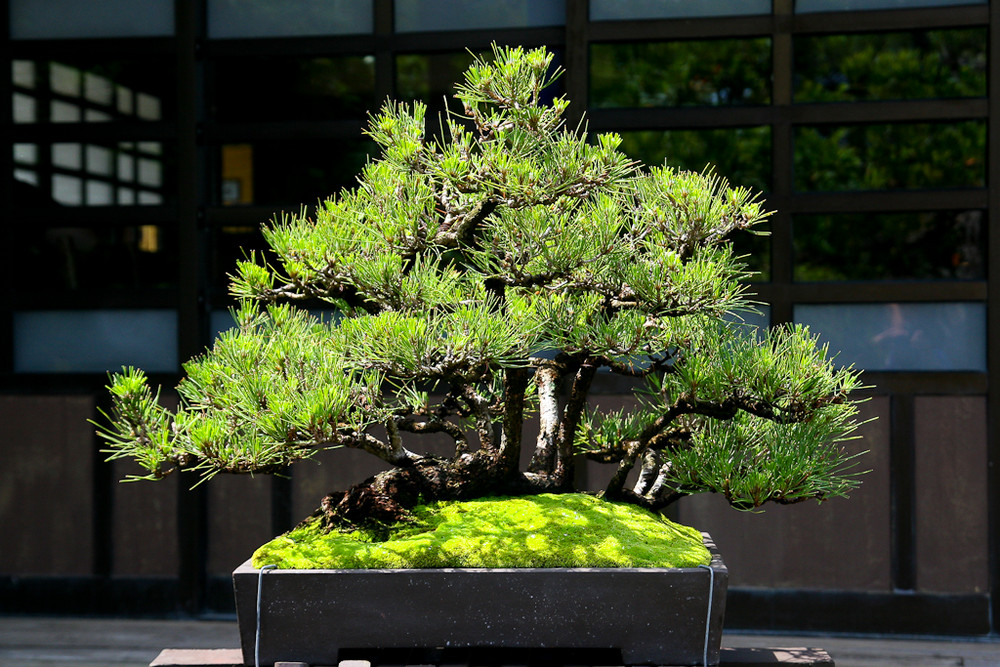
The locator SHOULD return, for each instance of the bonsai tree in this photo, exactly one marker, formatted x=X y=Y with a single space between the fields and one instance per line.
x=486 y=275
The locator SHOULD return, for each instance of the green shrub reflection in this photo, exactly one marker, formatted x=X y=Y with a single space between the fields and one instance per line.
x=890 y=157
x=888 y=66
x=718 y=72
x=944 y=245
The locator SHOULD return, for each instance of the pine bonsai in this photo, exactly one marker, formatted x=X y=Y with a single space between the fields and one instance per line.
x=485 y=276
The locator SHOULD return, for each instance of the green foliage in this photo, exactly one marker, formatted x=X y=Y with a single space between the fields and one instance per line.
x=720 y=72
x=547 y=530
x=889 y=66
x=475 y=273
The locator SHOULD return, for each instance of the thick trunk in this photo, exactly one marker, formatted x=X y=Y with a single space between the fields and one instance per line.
x=386 y=497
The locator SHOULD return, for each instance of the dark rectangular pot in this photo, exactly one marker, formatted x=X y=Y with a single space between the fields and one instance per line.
x=654 y=616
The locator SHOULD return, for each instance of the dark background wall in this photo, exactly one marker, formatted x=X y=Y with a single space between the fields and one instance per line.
x=146 y=142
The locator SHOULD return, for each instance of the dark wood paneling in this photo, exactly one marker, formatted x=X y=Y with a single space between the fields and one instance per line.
x=46 y=501
x=950 y=480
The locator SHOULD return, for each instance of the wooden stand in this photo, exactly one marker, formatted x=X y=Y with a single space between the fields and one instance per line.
x=731 y=657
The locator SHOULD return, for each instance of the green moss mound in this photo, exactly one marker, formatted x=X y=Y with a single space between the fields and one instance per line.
x=549 y=530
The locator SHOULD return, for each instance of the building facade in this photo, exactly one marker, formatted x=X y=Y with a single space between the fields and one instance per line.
x=145 y=142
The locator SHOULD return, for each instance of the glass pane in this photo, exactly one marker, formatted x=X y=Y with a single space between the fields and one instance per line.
x=229 y=245
x=425 y=15
x=99 y=258
x=943 y=245
x=890 y=157
x=743 y=155
x=430 y=77
x=902 y=336
x=60 y=19
x=808 y=6
x=612 y=10
x=278 y=89
x=48 y=91
x=720 y=72
x=95 y=341
x=288 y=18
x=290 y=172
x=889 y=66
x=74 y=174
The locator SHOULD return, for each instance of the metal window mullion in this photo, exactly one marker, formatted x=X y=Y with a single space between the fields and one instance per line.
x=192 y=507
x=782 y=148
x=6 y=195
x=993 y=316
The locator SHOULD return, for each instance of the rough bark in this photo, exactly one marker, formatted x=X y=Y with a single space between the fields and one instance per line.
x=387 y=497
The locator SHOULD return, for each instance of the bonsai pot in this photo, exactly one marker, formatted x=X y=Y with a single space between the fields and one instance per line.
x=652 y=615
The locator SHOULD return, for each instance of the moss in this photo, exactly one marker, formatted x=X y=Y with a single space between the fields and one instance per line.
x=550 y=530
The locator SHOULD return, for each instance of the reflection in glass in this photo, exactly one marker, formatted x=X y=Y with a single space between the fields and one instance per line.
x=75 y=174
x=902 y=336
x=941 y=245
x=429 y=77
x=95 y=341
x=231 y=244
x=82 y=90
x=718 y=72
x=743 y=155
x=890 y=157
x=283 y=89
x=889 y=66
x=288 y=18
x=61 y=19
x=427 y=15
x=98 y=258
x=809 y=6
x=616 y=10
x=289 y=172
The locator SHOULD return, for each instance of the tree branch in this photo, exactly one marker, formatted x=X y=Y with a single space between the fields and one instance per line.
x=480 y=408
x=434 y=425
x=547 y=378
x=515 y=382
x=616 y=484
x=571 y=420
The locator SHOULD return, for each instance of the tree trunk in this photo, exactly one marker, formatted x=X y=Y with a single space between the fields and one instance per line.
x=385 y=498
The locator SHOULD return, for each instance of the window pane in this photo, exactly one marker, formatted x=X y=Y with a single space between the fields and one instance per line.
x=105 y=258
x=612 y=10
x=743 y=155
x=430 y=77
x=426 y=15
x=902 y=336
x=290 y=172
x=721 y=72
x=91 y=174
x=92 y=91
x=95 y=341
x=943 y=245
x=231 y=244
x=59 y=19
x=808 y=6
x=890 y=157
x=288 y=18
x=277 y=89
x=888 y=66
